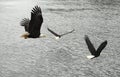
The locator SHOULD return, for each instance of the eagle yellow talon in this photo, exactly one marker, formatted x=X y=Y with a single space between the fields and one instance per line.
x=25 y=36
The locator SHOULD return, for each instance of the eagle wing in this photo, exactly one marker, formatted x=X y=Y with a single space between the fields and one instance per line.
x=101 y=47
x=68 y=32
x=90 y=45
x=25 y=22
x=35 y=22
x=57 y=35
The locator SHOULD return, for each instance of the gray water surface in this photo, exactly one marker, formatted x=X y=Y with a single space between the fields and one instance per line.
x=66 y=57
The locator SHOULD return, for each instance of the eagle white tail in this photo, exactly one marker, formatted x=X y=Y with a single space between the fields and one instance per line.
x=90 y=56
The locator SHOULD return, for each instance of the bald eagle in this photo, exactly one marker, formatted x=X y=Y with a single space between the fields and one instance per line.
x=93 y=51
x=33 y=26
x=57 y=36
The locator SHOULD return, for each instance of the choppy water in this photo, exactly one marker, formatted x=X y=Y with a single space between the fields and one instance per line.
x=66 y=57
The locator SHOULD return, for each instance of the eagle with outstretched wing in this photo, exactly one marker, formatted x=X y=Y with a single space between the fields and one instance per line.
x=94 y=53
x=33 y=26
x=57 y=36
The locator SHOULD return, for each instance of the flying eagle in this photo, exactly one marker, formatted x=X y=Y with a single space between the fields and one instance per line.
x=93 y=51
x=33 y=26
x=57 y=36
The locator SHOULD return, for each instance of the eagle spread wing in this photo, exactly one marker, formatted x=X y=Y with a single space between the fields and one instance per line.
x=90 y=45
x=101 y=47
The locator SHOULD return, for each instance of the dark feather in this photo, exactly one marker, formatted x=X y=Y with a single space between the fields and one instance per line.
x=101 y=47
x=57 y=35
x=90 y=45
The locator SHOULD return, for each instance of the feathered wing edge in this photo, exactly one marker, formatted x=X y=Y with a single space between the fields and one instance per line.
x=102 y=46
x=35 y=12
